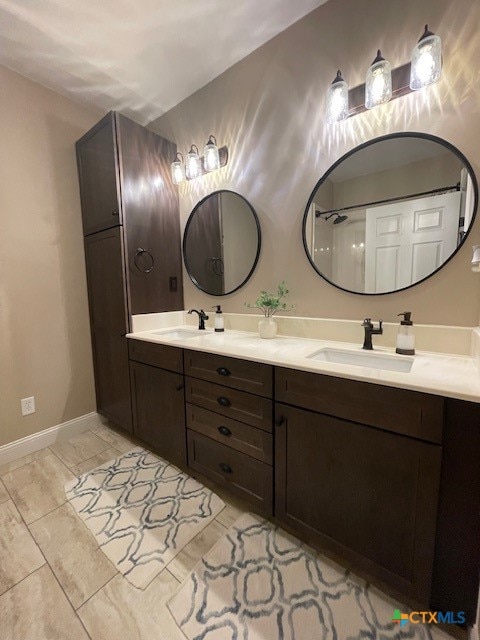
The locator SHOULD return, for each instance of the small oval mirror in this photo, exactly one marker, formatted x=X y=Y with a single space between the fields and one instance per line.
x=390 y=213
x=221 y=243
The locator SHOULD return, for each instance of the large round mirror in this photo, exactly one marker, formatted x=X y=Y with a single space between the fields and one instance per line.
x=221 y=243
x=390 y=213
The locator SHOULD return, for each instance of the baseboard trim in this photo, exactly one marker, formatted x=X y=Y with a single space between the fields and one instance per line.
x=20 y=448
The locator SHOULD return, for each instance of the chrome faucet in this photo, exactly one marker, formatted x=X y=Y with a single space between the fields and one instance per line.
x=370 y=331
x=202 y=316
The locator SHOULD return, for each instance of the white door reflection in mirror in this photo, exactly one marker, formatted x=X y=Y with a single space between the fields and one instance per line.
x=407 y=241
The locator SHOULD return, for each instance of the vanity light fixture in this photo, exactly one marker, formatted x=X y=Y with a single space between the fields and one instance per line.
x=193 y=165
x=337 y=100
x=211 y=157
x=476 y=258
x=426 y=65
x=378 y=85
x=384 y=83
x=178 y=169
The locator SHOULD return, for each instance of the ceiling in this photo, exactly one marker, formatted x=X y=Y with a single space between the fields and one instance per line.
x=141 y=57
x=389 y=154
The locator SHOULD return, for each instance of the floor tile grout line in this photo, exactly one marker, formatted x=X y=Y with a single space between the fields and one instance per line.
x=24 y=578
x=4 y=473
x=35 y=543
x=46 y=514
x=69 y=467
x=97 y=591
x=68 y=601
x=52 y=568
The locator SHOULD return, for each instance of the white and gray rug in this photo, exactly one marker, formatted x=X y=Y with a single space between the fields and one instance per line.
x=259 y=583
x=142 y=511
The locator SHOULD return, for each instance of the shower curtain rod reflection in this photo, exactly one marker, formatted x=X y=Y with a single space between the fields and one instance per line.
x=433 y=192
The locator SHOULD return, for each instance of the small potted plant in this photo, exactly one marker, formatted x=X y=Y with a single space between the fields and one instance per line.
x=270 y=304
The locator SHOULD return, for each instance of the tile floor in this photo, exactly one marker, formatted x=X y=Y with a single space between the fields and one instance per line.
x=55 y=583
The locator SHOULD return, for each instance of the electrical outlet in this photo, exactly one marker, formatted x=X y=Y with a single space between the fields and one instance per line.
x=28 y=405
x=173 y=283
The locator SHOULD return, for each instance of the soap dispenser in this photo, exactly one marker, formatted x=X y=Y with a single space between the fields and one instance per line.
x=405 y=336
x=219 y=325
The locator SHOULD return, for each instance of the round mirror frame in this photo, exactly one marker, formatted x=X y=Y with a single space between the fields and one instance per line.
x=401 y=134
x=259 y=238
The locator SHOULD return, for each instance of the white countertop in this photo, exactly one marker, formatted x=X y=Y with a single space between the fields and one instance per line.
x=440 y=374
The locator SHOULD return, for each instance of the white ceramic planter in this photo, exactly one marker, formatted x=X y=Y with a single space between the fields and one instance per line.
x=267 y=328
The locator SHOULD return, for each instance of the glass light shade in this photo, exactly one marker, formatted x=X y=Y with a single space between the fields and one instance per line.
x=193 y=167
x=211 y=158
x=426 y=61
x=476 y=258
x=337 y=100
x=177 y=170
x=378 y=85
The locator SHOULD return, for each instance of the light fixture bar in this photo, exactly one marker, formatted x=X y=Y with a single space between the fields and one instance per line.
x=400 y=87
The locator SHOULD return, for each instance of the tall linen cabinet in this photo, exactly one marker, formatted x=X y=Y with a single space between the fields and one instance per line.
x=132 y=245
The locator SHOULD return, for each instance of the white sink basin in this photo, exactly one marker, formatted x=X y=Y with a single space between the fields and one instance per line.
x=364 y=359
x=179 y=334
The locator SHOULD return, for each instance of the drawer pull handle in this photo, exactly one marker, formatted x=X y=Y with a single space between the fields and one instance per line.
x=223 y=372
x=225 y=431
x=225 y=402
x=279 y=421
x=226 y=468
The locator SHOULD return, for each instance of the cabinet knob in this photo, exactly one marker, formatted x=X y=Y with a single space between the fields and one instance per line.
x=222 y=371
x=279 y=421
x=226 y=468
x=179 y=387
x=225 y=431
x=225 y=402
x=114 y=213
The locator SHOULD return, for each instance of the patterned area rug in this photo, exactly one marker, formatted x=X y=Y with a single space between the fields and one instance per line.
x=142 y=511
x=259 y=583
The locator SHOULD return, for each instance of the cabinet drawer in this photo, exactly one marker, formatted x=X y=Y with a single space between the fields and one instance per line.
x=243 y=475
x=230 y=372
x=157 y=355
x=250 y=440
x=407 y=412
x=238 y=405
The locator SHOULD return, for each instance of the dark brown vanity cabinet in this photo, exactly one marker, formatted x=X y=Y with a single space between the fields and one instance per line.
x=229 y=433
x=362 y=490
x=158 y=399
x=130 y=212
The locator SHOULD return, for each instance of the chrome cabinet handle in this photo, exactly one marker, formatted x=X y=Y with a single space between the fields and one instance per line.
x=225 y=402
x=140 y=252
x=225 y=431
x=226 y=468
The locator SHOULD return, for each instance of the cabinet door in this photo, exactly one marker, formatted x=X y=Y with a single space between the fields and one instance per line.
x=98 y=174
x=151 y=214
x=159 y=410
x=365 y=494
x=108 y=320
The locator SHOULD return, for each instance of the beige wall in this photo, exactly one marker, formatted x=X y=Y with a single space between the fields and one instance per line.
x=44 y=332
x=269 y=110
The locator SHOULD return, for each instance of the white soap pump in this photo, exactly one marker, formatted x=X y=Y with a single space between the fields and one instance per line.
x=405 y=336
x=219 y=324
